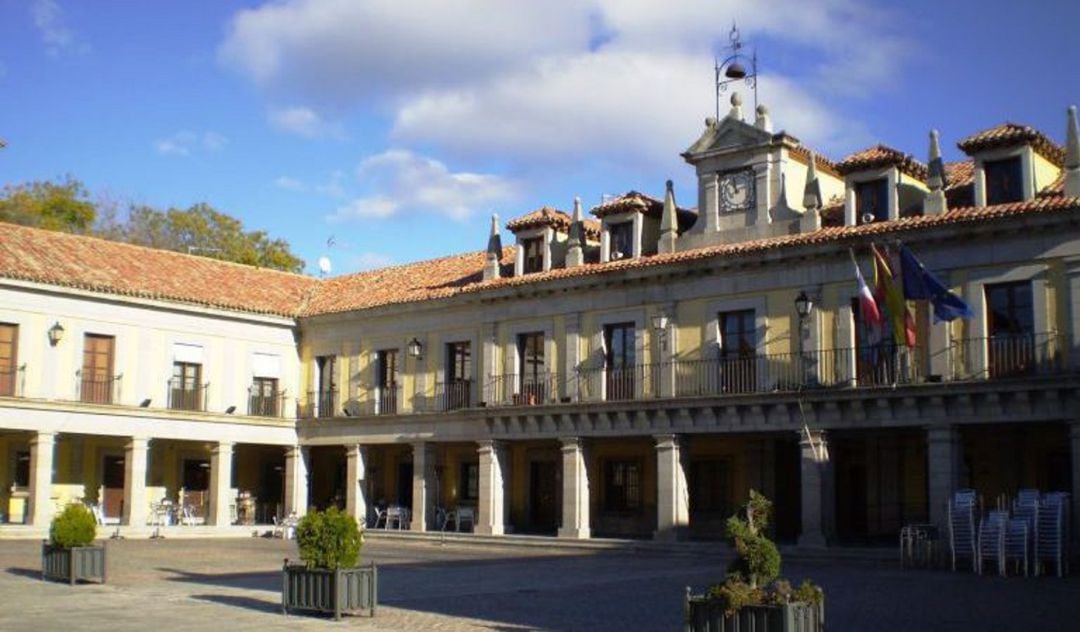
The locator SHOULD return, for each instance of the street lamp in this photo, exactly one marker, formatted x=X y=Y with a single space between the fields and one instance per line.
x=659 y=325
x=56 y=334
x=803 y=305
x=734 y=68
x=415 y=349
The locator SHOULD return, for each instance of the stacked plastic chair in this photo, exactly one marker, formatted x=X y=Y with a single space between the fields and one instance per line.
x=1052 y=534
x=1018 y=544
x=991 y=546
x=961 y=517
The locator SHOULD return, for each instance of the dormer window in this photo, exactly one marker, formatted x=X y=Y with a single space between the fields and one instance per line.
x=872 y=201
x=622 y=240
x=1004 y=181
x=534 y=254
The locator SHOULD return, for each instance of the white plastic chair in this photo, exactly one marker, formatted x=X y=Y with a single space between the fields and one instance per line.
x=991 y=546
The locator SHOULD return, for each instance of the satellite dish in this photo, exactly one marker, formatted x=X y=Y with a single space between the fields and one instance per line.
x=868 y=218
x=324 y=265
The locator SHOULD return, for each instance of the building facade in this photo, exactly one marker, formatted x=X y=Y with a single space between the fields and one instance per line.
x=633 y=374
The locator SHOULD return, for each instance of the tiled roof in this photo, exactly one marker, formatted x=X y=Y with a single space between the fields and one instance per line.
x=423 y=280
x=961 y=173
x=882 y=156
x=1010 y=135
x=629 y=201
x=547 y=216
x=89 y=263
x=450 y=276
x=824 y=165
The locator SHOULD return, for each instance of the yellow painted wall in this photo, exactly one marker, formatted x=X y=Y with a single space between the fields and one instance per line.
x=1045 y=172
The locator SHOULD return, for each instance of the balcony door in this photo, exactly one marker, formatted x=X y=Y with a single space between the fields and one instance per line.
x=532 y=388
x=738 y=351
x=387 y=381
x=97 y=369
x=1010 y=329
x=326 y=397
x=9 y=361
x=458 y=375
x=187 y=387
x=619 y=361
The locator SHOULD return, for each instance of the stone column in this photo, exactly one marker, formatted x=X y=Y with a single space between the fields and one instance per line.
x=814 y=454
x=296 y=479
x=42 y=445
x=221 y=500
x=423 y=497
x=355 y=473
x=943 y=458
x=575 y=476
x=1074 y=439
x=672 y=494
x=493 y=502
x=135 y=503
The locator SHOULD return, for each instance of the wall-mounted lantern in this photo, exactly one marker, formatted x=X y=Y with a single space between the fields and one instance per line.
x=56 y=334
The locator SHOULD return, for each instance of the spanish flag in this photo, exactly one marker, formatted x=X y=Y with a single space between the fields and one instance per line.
x=890 y=294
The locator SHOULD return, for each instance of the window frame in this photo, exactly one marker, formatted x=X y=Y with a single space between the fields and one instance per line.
x=532 y=251
x=626 y=496
x=880 y=189
x=1003 y=179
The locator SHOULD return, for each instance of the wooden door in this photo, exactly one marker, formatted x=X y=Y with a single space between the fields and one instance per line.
x=9 y=341
x=113 y=482
x=97 y=369
x=544 y=496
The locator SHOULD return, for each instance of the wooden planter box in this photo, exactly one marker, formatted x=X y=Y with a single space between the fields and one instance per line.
x=346 y=590
x=707 y=615
x=71 y=565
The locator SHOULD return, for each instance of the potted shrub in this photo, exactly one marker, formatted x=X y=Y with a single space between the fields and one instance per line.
x=329 y=579
x=69 y=554
x=752 y=597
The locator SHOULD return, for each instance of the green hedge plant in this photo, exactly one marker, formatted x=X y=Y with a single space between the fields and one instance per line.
x=74 y=526
x=752 y=578
x=329 y=539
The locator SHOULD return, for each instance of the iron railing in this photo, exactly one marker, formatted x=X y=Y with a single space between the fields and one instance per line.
x=186 y=394
x=513 y=389
x=97 y=388
x=263 y=404
x=321 y=404
x=1000 y=357
x=12 y=381
x=454 y=395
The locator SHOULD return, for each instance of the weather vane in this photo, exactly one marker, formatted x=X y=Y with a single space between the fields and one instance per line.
x=733 y=68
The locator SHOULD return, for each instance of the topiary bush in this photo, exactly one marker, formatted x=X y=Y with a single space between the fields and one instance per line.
x=329 y=539
x=74 y=526
x=752 y=575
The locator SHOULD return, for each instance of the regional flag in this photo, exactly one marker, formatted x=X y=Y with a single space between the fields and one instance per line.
x=868 y=308
x=889 y=292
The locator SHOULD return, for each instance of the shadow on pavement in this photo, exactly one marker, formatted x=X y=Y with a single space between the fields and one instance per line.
x=240 y=601
x=269 y=581
x=34 y=573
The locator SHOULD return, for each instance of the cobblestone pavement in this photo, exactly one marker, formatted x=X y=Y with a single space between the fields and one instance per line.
x=216 y=584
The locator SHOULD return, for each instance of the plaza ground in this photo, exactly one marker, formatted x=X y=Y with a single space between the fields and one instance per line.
x=424 y=585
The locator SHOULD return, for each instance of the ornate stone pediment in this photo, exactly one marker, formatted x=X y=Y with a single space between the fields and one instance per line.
x=730 y=133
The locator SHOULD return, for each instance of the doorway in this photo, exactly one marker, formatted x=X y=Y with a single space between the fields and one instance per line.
x=544 y=496
x=405 y=484
x=112 y=502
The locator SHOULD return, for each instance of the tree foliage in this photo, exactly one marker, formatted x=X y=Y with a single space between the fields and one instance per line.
x=199 y=230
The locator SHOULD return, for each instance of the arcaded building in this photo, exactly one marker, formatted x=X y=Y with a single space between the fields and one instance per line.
x=629 y=370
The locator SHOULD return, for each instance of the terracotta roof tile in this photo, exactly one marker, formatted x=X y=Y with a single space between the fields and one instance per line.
x=1012 y=134
x=960 y=173
x=547 y=216
x=882 y=156
x=629 y=201
x=99 y=265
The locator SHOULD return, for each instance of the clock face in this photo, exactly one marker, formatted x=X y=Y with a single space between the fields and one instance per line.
x=736 y=190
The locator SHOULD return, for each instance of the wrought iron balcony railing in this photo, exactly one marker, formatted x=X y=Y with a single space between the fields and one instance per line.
x=321 y=404
x=454 y=395
x=186 y=394
x=12 y=381
x=97 y=388
x=264 y=404
x=514 y=389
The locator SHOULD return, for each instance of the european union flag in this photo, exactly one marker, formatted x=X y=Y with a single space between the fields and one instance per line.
x=920 y=284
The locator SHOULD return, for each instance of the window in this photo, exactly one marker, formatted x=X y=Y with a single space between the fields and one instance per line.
x=534 y=254
x=621 y=238
x=738 y=350
x=532 y=389
x=264 y=397
x=387 y=381
x=1011 y=329
x=622 y=485
x=872 y=198
x=469 y=482
x=326 y=395
x=1004 y=181
x=186 y=388
x=97 y=369
x=458 y=387
x=9 y=358
x=619 y=360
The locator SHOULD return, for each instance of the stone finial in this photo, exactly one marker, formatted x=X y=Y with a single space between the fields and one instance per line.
x=812 y=190
x=935 y=203
x=575 y=254
x=494 y=251
x=710 y=122
x=1072 y=155
x=736 y=107
x=669 y=221
x=763 y=122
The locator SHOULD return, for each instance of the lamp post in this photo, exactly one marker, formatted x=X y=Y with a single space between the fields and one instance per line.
x=734 y=68
x=804 y=306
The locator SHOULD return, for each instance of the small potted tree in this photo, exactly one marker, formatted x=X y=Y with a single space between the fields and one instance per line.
x=329 y=579
x=752 y=597
x=69 y=554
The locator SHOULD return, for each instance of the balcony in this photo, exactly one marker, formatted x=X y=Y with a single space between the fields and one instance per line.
x=97 y=388
x=187 y=395
x=1012 y=356
x=513 y=389
x=322 y=404
x=264 y=404
x=12 y=381
x=454 y=395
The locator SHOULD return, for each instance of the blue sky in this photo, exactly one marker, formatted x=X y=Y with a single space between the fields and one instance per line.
x=398 y=127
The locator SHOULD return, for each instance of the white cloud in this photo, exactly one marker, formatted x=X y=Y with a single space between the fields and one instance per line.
x=305 y=122
x=56 y=35
x=290 y=184
x=401 y=181
x=186 y=142
x=332 y=187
